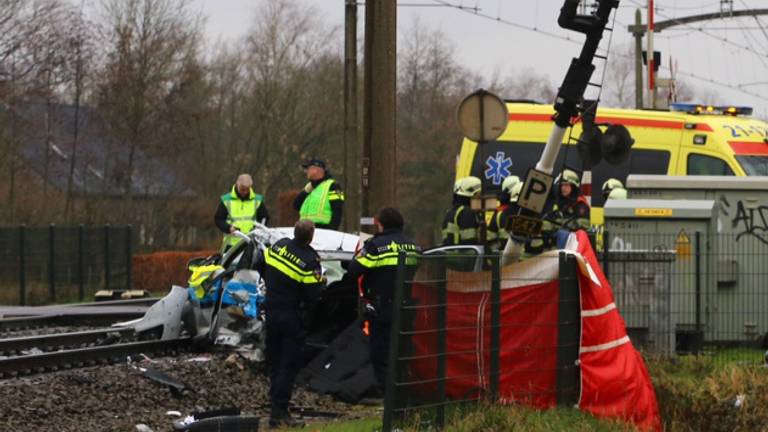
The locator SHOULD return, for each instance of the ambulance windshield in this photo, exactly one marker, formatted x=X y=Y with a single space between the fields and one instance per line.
x=754 y=165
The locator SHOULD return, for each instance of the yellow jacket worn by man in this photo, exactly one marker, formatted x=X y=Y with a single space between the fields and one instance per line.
x=321 y=200
x=238 y=210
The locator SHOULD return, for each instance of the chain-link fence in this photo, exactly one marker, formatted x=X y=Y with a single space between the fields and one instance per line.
x=462 y=336
x=63 y=263
x=691 y=292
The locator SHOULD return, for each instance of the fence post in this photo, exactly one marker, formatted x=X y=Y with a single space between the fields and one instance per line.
x=107 y=270
x=568 y=332
x=698 y=291
x=128 y=256
x=22 y=267
x=394 y=344
x=495 y=325
x=606 y=254
x=80 y=262
x=52 y=263
x=441 y=344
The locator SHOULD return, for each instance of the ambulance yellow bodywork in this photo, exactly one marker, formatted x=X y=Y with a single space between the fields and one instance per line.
x=705 y=141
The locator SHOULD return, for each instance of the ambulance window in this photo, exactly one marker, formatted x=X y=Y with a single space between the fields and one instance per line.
x=699 y=164
x=649 y=162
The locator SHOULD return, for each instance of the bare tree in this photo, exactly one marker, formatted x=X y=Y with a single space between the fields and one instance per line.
x=293 y=86
x=431 y=84
x=149 y=42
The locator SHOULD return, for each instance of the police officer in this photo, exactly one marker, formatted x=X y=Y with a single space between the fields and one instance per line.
x=238 y=210
x=461 y=224
x=321 y=200
x=571 y=210
x=377 y=261
x=293 y=278
x=497 y=234
x=614 y=189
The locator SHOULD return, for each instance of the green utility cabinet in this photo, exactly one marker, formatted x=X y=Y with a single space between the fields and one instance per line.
x=657 y=262
x=739 y=247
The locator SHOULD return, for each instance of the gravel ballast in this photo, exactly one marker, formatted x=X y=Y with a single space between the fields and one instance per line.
x=118 y=397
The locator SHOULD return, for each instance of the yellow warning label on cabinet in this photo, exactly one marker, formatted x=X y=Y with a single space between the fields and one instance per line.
x=653 y=212
x=683 y=245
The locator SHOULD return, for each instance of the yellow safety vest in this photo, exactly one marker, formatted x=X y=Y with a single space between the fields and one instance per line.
x=240 y=213
x=317 y=205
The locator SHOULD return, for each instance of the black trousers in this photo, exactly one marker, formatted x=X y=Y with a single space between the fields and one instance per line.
x=285 y=353
x=379 y=342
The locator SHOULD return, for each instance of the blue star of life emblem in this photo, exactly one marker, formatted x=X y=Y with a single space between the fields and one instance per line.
x=498 y=168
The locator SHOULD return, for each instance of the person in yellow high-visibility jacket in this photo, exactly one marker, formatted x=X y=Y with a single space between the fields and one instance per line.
x=321 y=200
x=238 y=210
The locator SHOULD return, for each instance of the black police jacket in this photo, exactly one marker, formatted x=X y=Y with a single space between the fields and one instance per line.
x=377 y=262
x=292 y=275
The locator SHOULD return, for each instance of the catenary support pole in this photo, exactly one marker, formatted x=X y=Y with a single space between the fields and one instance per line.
x=351 y=142
x=379 y=162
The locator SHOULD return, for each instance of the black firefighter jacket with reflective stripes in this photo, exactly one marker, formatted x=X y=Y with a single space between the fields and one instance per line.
x=377 y=261
x=292 y=275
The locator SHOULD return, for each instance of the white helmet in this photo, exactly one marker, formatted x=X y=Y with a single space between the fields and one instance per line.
x=514 y=194
x=467 y=186
x=509 y=183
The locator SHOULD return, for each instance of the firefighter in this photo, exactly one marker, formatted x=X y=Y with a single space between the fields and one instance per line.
x=293 y=279
x=614 y=189
x=238 y=210
x=496 y=235
x=570 y=211
x=377 y=262
x=461 y=224
x=321 y=200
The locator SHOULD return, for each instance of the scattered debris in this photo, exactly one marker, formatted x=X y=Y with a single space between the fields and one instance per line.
x=739 y=401
x=199 y=359
x=175 y=386
x=234 y=359
x=141 y=427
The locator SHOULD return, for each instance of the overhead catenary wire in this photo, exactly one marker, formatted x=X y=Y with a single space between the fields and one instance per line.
x=700 y=30
x=679 y=72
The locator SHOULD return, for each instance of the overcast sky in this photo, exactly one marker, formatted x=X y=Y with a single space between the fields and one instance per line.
x=710 y=55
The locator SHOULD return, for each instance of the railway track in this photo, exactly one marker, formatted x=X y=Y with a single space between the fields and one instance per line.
x=22 y=365
x=56 y=346
x=52 y=342
x=98 y=314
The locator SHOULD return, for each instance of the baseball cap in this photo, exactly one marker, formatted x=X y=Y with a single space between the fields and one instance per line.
x=313 y=162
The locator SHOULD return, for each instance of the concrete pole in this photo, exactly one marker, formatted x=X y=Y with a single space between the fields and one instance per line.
x=379 y=161
x=351 y=143
x=638 y=60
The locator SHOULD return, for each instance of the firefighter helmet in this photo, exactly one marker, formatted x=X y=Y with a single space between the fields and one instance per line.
x=612 y=184
x=569 y=176
x=467 y=186
x=515 y=193
x=509 y=183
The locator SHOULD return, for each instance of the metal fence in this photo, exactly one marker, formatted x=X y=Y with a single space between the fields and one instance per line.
x=447 y=353
x=691 y=292
x=63 y=263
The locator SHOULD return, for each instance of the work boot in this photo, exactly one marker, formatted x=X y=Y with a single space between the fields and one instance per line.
x=280 y=417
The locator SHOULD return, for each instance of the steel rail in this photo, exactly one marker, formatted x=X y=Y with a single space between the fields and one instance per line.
x=71 y=339
x=39 y=363
x=85 y=318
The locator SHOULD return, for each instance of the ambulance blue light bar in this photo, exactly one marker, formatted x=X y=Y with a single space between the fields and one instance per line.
x=710 y=109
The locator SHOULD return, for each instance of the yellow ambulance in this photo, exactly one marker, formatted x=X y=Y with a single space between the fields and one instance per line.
x=687 y=139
